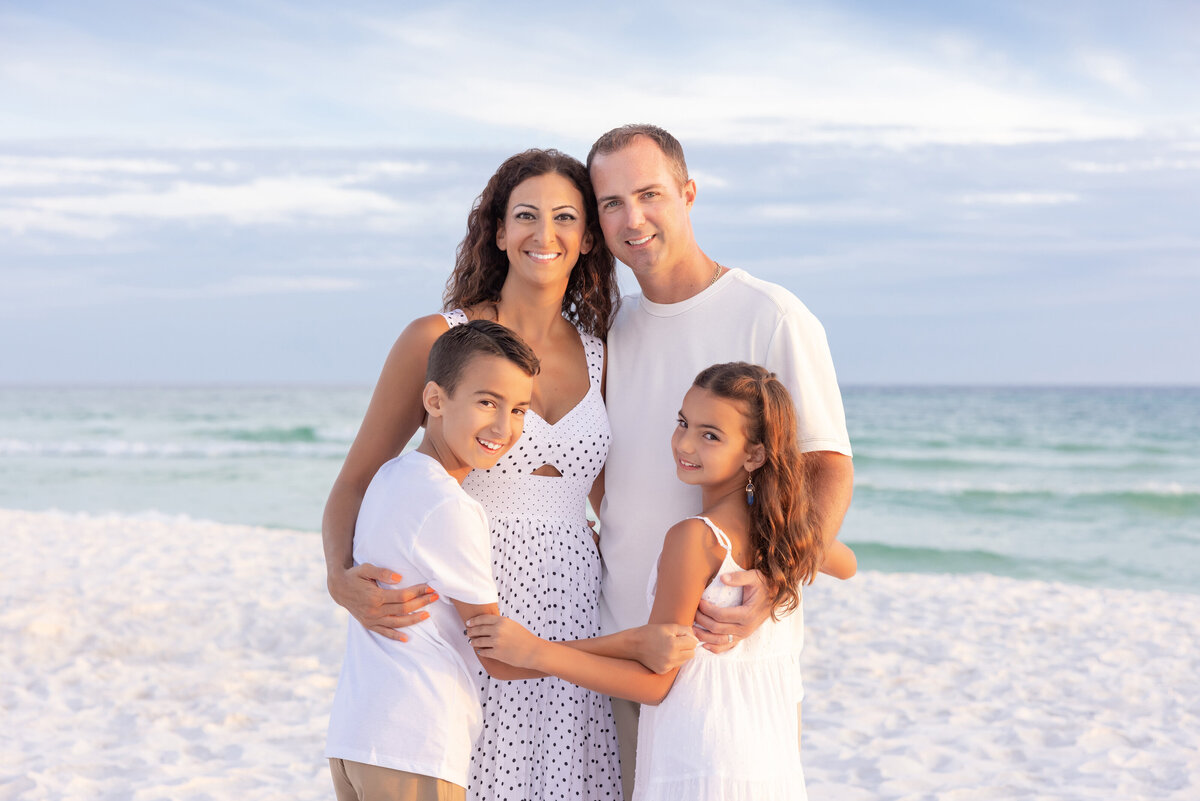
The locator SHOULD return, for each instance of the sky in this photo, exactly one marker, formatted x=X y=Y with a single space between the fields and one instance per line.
x=262 y=192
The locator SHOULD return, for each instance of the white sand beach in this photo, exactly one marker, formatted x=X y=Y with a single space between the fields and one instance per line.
x=162 y=658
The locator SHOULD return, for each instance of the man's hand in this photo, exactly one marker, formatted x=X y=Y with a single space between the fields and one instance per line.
x=720 y=628
x=504 y=640
x=380 y=610
x=662 y=647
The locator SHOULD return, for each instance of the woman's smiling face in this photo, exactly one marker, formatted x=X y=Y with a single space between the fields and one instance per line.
x=544 y=230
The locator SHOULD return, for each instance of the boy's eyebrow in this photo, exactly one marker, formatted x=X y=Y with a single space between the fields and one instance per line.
x=493 y=394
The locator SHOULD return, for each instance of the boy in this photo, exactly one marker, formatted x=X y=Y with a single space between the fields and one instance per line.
x=417 y=519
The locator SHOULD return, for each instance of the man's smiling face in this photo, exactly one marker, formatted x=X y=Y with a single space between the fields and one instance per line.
x=643 y=209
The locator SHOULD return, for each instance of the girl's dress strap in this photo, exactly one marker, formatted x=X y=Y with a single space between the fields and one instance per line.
x=720 y=535
x=456 y=317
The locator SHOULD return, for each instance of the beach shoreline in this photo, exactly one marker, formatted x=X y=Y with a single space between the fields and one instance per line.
x=175 y=658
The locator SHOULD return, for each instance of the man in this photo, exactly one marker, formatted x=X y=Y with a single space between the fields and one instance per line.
x=692 y=312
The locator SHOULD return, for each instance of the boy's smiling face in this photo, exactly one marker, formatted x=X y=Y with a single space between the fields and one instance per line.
x=485 y=415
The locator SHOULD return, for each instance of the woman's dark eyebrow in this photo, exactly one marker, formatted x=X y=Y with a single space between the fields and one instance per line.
x=570 y=206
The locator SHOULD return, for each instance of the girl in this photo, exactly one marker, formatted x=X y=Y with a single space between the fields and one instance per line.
x=727 y=730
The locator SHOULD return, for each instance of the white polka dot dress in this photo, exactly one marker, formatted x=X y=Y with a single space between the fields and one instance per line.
x=546 y=738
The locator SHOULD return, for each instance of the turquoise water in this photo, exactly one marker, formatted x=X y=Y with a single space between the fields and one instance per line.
x=1090 y=486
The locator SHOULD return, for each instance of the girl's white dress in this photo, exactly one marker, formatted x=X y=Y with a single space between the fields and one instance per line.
x=728 y=729
x=546 y=738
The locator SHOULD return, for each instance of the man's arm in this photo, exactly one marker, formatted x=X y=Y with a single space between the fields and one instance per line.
x=832 y=486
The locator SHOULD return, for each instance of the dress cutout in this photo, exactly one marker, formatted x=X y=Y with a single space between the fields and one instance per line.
x=546 y=738
x=727 y=731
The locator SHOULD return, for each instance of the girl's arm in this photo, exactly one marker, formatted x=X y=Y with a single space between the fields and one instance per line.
x=495 y=668
x=393 y=416
x=686 y=565
x=658 y=646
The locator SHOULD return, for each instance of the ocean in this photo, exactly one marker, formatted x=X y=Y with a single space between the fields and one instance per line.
x=1091 y=486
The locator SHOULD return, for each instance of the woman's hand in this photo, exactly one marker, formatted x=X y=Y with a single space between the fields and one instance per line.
x=504 y=640
x=380 y=610
x=722 y=627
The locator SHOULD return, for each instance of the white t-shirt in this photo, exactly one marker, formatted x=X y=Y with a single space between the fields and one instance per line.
x=415 y=706
x=654 y=354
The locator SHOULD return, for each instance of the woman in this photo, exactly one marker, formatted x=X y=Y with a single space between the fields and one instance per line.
x=534 y=260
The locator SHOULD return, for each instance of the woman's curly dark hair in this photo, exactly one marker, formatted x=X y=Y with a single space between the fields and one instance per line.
x=480 y=267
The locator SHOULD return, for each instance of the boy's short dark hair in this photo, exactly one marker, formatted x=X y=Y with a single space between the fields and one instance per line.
x=454 y=349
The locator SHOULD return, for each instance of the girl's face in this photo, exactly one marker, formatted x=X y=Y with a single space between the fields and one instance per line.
x=709 y=443
x=544 y=230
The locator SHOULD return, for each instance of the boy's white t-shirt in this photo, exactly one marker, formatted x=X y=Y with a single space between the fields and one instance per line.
x=415 y=705
x=654 y=353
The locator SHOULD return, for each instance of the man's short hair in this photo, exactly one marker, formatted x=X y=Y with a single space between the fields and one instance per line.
x=619 y=139
x=453 y=350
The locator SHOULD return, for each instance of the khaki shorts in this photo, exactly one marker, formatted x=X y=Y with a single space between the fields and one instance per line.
x=354 y=781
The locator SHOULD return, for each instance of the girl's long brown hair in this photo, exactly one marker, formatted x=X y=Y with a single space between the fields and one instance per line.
x=785 y=532
x=480 y=267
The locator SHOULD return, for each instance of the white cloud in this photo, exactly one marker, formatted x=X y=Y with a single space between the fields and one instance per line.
x=375 y=170
x=238 y=286
x=832 y=83
x=707 y=180
x=73 y=165
x=275 y=285
x=429 y=76
x=22 y=221
x=831 y=212
x=1109 y=69
x=1143 y=165
x=263 y=200
x=58 y=171
x=1018 y=198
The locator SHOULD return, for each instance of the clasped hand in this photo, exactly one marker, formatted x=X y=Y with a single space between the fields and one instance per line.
x=379 y=609
x=715 y=624
x=503 y=639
